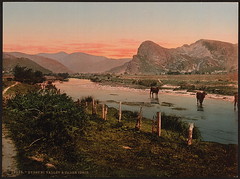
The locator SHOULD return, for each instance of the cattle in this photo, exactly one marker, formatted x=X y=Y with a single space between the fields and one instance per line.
x=235 y=100
x=200 y=97
x=154 y=90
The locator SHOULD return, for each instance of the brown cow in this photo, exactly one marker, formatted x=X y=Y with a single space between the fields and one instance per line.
x=154 y=90
x=200 y=97
x=235 y=100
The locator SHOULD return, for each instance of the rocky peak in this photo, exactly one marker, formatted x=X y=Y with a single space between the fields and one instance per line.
x=153 y=52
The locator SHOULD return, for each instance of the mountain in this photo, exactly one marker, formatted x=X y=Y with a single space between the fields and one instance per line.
x=203 y=56
x=47 y=63
x=85 y=63
x=56 y=56
x=9 y=62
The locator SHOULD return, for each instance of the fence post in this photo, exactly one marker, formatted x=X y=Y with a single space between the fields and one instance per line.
x=105 y=112
x=139 y=119
x=159 y=123
x=190 y=132
x=93 y=107
x=153 y=126
x=120 y=111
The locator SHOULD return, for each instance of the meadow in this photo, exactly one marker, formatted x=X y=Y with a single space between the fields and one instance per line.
x=60 y=137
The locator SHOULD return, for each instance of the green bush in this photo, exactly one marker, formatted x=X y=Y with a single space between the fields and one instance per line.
x=176 y=124
x=53 y=118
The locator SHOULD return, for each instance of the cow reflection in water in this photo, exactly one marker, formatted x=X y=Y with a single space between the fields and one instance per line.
x=200 y=108
x=154 y=100
x=235 y=101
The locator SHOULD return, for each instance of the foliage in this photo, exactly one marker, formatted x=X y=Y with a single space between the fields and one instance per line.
x=52 y=118
x=147 y=83
x=7 y=83
x=26 y=75
x=23 y=88
x=63 y=75
x=175 y=123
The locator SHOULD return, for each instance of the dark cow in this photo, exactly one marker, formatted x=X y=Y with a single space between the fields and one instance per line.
x=200 y=97
x=154 y=90
x=235 y=100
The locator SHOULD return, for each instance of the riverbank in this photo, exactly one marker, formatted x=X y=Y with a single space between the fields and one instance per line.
x=89 y=146
x=169 y=90
x=62 y=138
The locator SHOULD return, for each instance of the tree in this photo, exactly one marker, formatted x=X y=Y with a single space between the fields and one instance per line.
x=26 y=75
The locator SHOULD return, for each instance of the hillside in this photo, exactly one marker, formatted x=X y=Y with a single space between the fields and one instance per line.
x=9 y=62
x=85 y=63
x=47 y=63
x=203 y=56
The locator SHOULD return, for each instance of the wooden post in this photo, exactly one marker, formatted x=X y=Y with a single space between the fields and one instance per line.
x=153 y=126
x=78 y=102
x=95 y=108
x=103 y=111
x=159 y=123
x=93 y=112
x=86 y=104
x=190 y=132
x=120 y=111
x=139 y=119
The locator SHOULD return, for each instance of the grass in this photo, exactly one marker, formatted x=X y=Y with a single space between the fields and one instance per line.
x=22 y=88
x=7 y=83
x=116 y=149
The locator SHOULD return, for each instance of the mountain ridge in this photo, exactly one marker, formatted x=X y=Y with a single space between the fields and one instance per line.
x=202 y=56
x=47 y=63
x=85 y=63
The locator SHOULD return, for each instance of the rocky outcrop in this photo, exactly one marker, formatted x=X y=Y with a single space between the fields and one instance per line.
x=203 y=56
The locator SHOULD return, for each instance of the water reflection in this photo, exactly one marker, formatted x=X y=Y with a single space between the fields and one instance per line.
x=154 y=100
x=200 y=107
x=213 y=116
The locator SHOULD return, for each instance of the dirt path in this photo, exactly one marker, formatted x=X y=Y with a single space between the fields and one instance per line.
x=9 y=164
x=5 y=90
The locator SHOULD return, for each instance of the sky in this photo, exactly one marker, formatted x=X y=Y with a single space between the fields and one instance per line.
x=114 y=29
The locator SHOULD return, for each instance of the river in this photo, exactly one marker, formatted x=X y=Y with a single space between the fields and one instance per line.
x=217 y=120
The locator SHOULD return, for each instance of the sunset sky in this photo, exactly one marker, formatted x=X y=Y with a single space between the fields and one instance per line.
x=114 y=29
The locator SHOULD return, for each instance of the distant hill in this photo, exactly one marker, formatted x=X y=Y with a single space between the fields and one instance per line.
x=9 y=62
x=203 y=56
x=47 y=63
x=85 y=63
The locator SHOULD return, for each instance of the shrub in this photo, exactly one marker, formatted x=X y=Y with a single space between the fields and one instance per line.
x=53 y=118
x=175 y=123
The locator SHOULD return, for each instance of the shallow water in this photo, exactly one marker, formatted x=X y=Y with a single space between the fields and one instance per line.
x=217 y=120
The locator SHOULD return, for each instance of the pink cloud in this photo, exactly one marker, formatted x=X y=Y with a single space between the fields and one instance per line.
x=99 y=49
x=32 y=49
x=90 y=45
x=130 y=42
